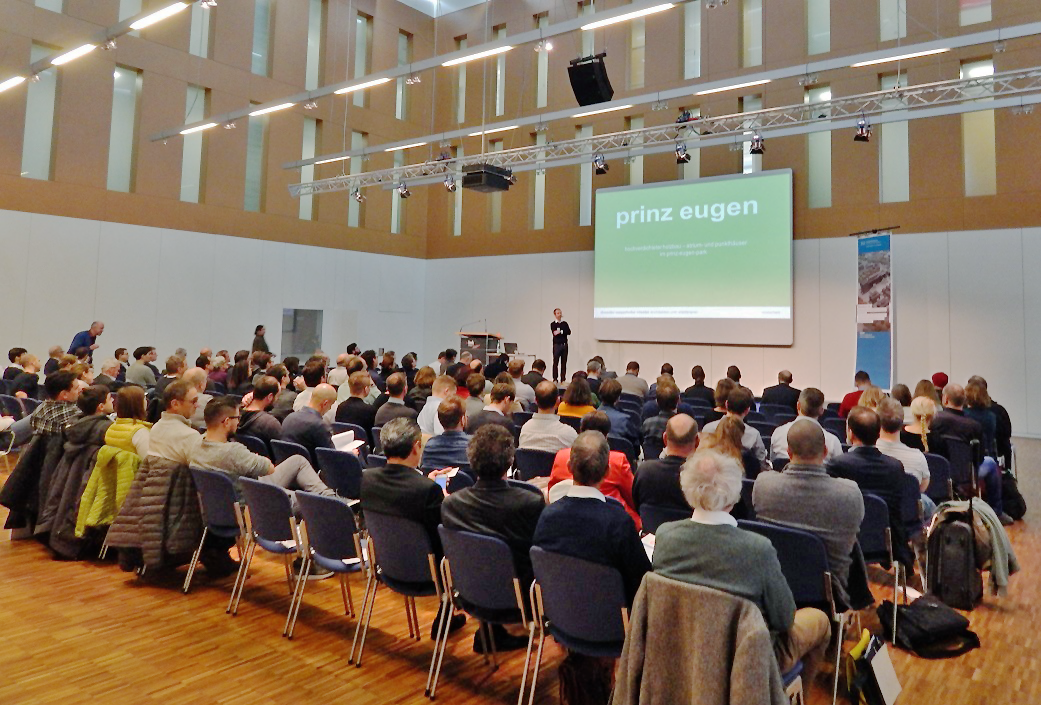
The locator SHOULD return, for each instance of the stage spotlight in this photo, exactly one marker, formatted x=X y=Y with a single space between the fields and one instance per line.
x=512 y=178
x=230 y=125
x=310 y=105
x=403 y=190
x=600 y=164
x=756 y=146
x=863 y=131
x=682 y=156
x=357 y=195
x=109 y=44
x=208 y=3
x=450 y=183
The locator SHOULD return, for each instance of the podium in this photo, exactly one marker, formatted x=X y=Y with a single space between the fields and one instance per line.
x=480 y=345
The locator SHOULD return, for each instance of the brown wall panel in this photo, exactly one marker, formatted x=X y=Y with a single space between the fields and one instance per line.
x=159 y=165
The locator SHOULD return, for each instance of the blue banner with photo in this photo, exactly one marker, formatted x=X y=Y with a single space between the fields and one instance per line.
x=874 y=309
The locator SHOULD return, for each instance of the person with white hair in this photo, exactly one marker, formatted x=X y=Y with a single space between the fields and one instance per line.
x=710 y=550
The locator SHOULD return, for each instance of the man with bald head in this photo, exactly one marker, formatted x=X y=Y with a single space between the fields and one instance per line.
x=306 y=426
x=658 y=481
x=544 y=430
x=338 y=376
x=782 y=393
x=87 y=339
x=196 y=377
x=805 y=497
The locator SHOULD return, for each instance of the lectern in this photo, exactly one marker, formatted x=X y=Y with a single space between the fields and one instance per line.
x=480 y=345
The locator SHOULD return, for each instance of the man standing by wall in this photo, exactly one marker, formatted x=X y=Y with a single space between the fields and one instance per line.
x=87 y=339
x=561 y=330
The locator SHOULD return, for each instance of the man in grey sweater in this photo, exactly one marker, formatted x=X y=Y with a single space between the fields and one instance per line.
x=805 y=497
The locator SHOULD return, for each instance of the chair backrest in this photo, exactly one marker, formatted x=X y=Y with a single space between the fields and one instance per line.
x=572 y=421
x=652 y=448
x=781 y=463
x=217 y=496
x=521 y=417
x=330 y=526
x=698 y=402
x=402 y=547
x=909 y=501
x=939 y=489
x=833 y=406
x=460 y=481
x=634 y=399
x=783 y=417
x=253 y=444
x=377 y=446
x=533 y=463
x=652 y=516
x=376 y=461
x=521 y=485
x=836 y=426
x=873 y=535
x=746 y=498
x=287 y=449
x=30 y=404
x=270 y=510
x=765 y=428
x=568 y=602
x=755 y=416
x=482 y=570
x=624 y=446
x=771 y=410
x=341 y=471
x=803 y=559
x=962 y=461
x=12 y=406
x=829 y=414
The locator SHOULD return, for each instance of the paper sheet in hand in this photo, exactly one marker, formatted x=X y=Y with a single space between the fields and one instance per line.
x=345 y=442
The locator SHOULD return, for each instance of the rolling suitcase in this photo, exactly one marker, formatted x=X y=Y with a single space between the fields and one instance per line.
x=954 y=575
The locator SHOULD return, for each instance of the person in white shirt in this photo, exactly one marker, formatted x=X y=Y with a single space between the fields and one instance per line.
x=525 y=393
x=891 y=413
x=810 y=406
x=313 y=374
x=338 y=376
x=739 y=403
x=443 y=387
x=545 y=431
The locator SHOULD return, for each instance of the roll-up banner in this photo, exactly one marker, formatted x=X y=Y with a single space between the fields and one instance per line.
x=875 y=309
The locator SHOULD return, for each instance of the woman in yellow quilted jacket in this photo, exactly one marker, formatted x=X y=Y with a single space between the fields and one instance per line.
x=130 y=431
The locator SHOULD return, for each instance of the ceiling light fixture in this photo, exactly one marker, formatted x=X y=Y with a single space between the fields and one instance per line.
x=600 y=165
x=109 y=45
x=809 y=79
x=450 y=183
x=602 y=110
x=478 y=55
x=413 y=79
x=357 y=195
x=915 y=55
x=273 y=108
x=361 y=86
x=403 y=190
x=544 y=45
x=863 y=131
x=329 y=161
x=230 y=125
x=207 y=4
x=733 y=87
x=11 y=83
x=198 y=128
x=310 y=105
x=159 y=16
x=493 y=130
x=627 y=16
x=404 y=146
x=756 y=145
x=74 y=54
x=682 y=155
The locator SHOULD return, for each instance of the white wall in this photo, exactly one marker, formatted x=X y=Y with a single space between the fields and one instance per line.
x=965 y=304
x=171 y=288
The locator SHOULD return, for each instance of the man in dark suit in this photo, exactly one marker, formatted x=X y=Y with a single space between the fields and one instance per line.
x=493 y=507
x=698 y=390
x=874 y=473
x=585 y=524
x=395 y=407
x=622 y=425
x=657 y=481
x=501 y=398
x=783 y=393
x=109 y=372
x=306 y=425
x=537 y=374
x=354 y=409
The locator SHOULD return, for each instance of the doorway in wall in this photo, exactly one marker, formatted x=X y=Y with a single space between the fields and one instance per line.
x=301 y=332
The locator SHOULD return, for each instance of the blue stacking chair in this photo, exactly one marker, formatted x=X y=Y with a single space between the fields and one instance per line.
x=272 y=527
x=360 y=434
x=624 y=446
x=592 y=623
x=804 y=563
x=963 y=460
x=836 y=426
x=940 y=487
x=281 y=450
x=833 y=406
x=746 y=498
x=221 y=513
x=652 y=516
x=766 y=430
x=377 y=446
x=829 y=414
x=333 y=543
x=12 y=406
x=697 y=402
x=253 y=444
x=376 y=461
x=755 y=416
x=771 y=410
x=460 y=481
x=341 y=471
x=480 y=579
x=572 y=421
x=30 y=405
x=876 y=540
x=402 y=559
x=533 y=463
x=521 y=417
x=911 y=514
x=652 y=448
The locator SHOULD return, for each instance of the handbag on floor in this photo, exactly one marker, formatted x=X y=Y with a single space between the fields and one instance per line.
x=929 y=628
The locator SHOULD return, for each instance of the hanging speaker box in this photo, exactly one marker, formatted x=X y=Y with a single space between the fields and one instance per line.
x=589 y=80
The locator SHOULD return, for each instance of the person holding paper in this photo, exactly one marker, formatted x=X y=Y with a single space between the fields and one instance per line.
x=306 y=426
x=354 y=409
x=560 y=330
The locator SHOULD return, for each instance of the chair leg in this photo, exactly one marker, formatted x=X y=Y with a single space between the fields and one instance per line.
x=357 y=626
x=415 y=620
x=440 y=646
x=287 y=559
x=297 y=599
x=236 y=597
x=491 y=642
x=365 y=631
x=538 y=664
x=194 y=562
x=345 y=592
x=527 y=661
x=483 y=636
x=841 y=619
x=408 y=618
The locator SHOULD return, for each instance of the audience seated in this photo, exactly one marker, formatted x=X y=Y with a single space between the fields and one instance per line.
x=874 y=473
x=918 y=433
x=739 y=403
x=525 y=393
x=622 y=424
x=651 y=408
x=109 y=372
x=175 y=367
x=587 y=524
x=26 y=384
x=394 y=407
x=536 y=376
x=809 y=406
x=196 y=377
x=734 y=375
x=313 y=375
x=54 y=354
x=240 y=378
x=871 y=397
x=500 y=403
x=593 y=368
x=631 y=381
x=727 y=438
x=475 y=384
x=421 y=388
x=256 y=420
x=719 y=398
x=14 y=355
x=804 y=496
x=861 y=380
x=1003 y=424
x=442 y=388
x=449 y=448
x=172 y=437
x=782 y=393
x=668 y=398
x=666 y=371
x=130 y=431
x=354 y=409
x=891 y=417
x=578 y=399
x=338 y=376
x=141 y=373
x=698 y=390
x=657 y=481
x=493 y=507
x=544 y=430
x=711 y=551
x=307 y=426
x=617 y=483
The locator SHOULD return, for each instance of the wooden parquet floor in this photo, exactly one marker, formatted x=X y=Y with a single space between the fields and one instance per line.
x=87 y=633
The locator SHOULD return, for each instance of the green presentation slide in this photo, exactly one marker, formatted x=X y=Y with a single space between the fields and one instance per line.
x=709 y=248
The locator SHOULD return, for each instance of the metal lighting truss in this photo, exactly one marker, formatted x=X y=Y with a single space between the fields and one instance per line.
x=1007 y=89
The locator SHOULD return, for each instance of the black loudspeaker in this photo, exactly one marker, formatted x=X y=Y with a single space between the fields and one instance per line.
x=589 y=80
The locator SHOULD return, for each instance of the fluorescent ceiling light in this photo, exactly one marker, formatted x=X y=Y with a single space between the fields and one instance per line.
x=478 y=55
x=360 y=86
x=627 y=16
x=334 y=159
x=736 y=85
x=405 y=146
x=915 y=55
x=158 y=16
x=11 y=83
x=198 y=128
x=74 y=54
x=602 y=110
x=265 y=111
x=497 y=129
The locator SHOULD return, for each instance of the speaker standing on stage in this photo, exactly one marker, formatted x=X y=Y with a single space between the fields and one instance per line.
x=561 y=330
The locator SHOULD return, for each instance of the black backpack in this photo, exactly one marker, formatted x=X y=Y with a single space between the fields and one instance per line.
x=929 y=628
x=1011 y=498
